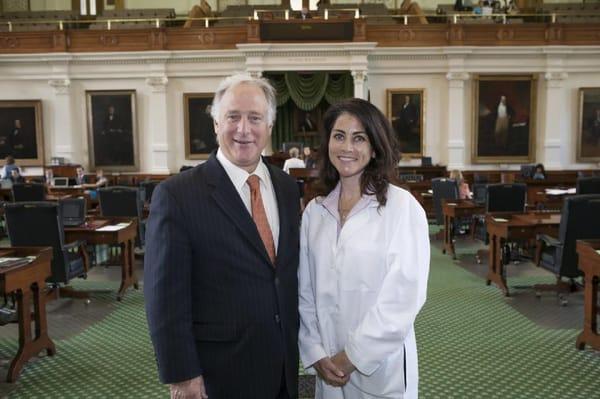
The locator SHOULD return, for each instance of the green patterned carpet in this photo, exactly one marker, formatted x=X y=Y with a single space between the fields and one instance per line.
x=472 y=344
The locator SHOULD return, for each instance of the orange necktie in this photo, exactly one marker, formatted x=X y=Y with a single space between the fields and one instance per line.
x=260 y=216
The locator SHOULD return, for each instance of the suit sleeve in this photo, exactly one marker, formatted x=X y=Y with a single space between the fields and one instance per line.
x=167 y=289
x=385 y=326
x=309 y=338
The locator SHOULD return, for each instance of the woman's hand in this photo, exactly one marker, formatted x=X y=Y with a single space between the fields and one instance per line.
x=330 y=373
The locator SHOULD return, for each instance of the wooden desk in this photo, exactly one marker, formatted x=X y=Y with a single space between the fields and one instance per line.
x=420 y=190
x=518 y=226
x=124 y=237
x=589 y=263
x=453 y=209
x=27 y=281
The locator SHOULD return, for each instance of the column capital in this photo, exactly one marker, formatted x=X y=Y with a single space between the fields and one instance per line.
x=555 y=79
x=255 y=73
x=61 y=86
x=457 y=79
x=359 y=75
x=158 y=83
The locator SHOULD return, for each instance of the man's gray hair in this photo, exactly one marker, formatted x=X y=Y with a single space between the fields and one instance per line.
x=242 y=78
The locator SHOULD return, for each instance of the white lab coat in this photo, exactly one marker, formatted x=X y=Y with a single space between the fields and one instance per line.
x=361 y=293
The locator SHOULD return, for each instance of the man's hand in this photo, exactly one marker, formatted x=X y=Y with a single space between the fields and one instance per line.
x=342 y=362
x=190 y=389
x=330 y=373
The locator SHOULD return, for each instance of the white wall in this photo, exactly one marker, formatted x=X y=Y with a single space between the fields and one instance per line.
x=445 y=74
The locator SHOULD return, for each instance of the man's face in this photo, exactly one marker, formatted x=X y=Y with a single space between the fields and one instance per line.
x=79 y=171
x=407 y=100
x=242 y=128
x=503 y=100
x=111 y=110
x=18 y=123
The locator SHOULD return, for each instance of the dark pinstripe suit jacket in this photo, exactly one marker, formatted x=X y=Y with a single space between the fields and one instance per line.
x=215 y=304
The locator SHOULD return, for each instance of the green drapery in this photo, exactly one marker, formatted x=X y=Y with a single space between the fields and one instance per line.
x=306 y=92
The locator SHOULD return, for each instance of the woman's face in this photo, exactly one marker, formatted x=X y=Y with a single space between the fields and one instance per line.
x=349 y=147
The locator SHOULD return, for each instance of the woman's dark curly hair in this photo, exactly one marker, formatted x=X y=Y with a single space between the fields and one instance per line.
x=379 y=172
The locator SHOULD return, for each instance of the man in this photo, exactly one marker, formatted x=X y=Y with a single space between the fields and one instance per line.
x=221 y=261
x=504 y=116
x=116 y=141
x=307 y=124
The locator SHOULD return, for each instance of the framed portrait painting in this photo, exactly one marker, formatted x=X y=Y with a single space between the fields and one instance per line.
x=21 y=133
x=200 y=138
x=112 y=130
x=504 y=119
x=405 y=112
x=588 y=132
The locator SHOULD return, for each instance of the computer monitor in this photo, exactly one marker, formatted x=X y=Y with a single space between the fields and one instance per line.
x=72 y=211
x=527 y=171
x=426 y=161
x=60 y=182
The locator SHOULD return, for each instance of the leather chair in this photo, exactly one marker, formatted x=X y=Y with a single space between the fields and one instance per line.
x=506 y=197
x=580 y=219
x=39 y=224
x=410 y=177
x=588 y=185
x=443 y=189
x=120 y=201
x=147 y=188
x=27 y=192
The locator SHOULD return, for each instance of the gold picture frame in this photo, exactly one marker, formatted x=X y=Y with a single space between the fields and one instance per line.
x=504 y=119
x=588 y=127
x=112 y=130
x=200 y=137
x=405 y=110
x=21 y=131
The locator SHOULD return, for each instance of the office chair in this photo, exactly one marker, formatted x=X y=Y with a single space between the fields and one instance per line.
x=119 y=201
x=443 y=189
x=39 y=224
x=147 y=190
x=27 y=192
x=588 y=185
x=580 y=220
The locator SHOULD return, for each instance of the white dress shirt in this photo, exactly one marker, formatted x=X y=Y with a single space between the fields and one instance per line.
x=239 y=177
x=293 y=163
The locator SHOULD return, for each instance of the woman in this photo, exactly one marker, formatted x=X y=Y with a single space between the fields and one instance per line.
x=463 y=187
x=540 y=172
x=363 y=265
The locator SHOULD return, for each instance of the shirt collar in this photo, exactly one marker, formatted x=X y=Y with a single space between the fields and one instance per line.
x=239 y=176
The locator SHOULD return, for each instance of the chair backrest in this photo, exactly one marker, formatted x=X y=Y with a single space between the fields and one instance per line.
x=443 y=188
x=527 y=171
x=480 y=177
x=506 y=197
x=147 y=188
x=588 y=185
x=28 y=192
x=72 y=211
x=120 y=201
x=479 y=193
x=38 y=224
x=580 y=220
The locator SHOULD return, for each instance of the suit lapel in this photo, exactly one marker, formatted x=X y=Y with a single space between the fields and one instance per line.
x=284 y=222
x=228 y=199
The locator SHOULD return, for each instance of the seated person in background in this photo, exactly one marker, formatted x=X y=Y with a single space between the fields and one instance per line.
x=540 y=172
x=309 y=161
x=463 y=187
x=294 y=161
x=48 y=176
x=9 y=166
x=15 y=176
x=304 y=14
x=80 y=178
x=101 y=181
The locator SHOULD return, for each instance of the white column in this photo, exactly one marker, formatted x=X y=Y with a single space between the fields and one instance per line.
x=556 y=142
x=359 y=76
x=63 y=138
x=457 y=125
x=158 y=129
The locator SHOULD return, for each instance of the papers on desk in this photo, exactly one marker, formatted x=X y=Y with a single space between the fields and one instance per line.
x=451 y=203
x=560 y=191
x=6 y=261
x=501 y=220
x=598 y=251
x=114 y=227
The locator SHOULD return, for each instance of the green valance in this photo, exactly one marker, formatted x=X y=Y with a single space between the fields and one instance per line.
x=307 y=90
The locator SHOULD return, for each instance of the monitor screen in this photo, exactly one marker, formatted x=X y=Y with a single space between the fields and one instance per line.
x=60 y=181
x=71 y=210
x=527 y=171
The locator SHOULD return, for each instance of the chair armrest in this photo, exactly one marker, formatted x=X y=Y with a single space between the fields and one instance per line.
x=79 y=245
x=73 y=245
x=549 y=241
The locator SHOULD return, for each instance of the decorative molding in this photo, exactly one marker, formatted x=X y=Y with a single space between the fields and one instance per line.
x=206 y=38
x=61 y=86
x=158 y=83
x=456 y=144
x=458 y=76
x=108 y=40
x=160 y=147
x=359 y=76
x=555 y=79
x=9 y=42
x=552 y=143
